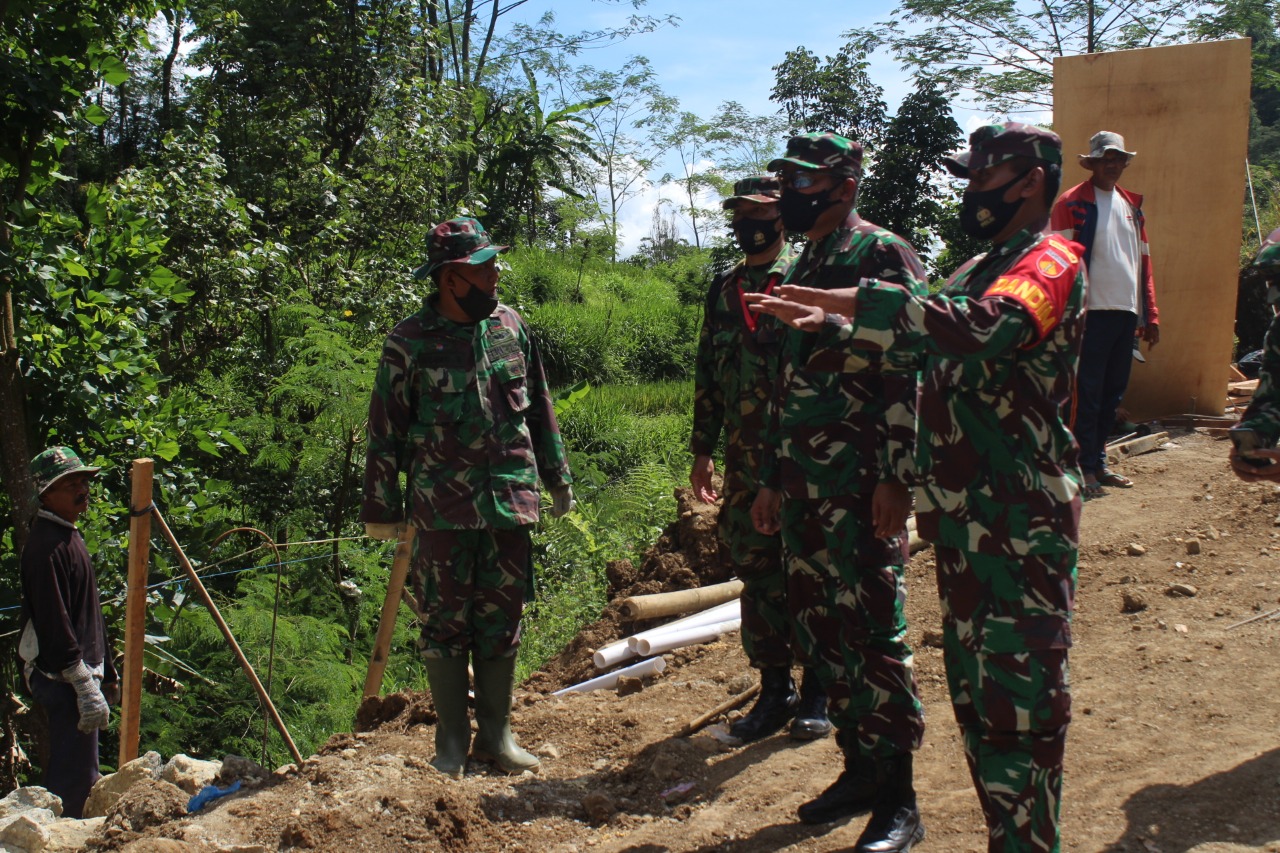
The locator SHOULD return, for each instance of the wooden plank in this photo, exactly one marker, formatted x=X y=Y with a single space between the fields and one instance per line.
x=1159 y=98
x=1242 y=389
x=142 y=473
x=1236 y=375
x=1138 y=445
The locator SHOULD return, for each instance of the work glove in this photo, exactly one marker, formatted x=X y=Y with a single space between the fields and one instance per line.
x=562 y=500
x=386 y=531
x=92 y=705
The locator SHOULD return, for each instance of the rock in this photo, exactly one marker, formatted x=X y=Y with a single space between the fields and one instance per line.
x=25 y=833
x=1182 y=589
x=1193 y=546
x=1212 y=534
x=599 y=807
x=741 y=682
x=1181 y=629
x=1135 y=550
x=249 y=772
x=548 y=750
x=66 y=836
x=165 y=845
x=108 y=790
x=932 y=639
x=628 y=685
x=1132 y=602
x=33 y=797
x=189 y=774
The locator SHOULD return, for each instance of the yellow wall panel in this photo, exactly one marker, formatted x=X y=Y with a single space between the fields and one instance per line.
x=1185 y=110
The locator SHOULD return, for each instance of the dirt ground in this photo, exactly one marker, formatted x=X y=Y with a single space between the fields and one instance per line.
x=1173 y=747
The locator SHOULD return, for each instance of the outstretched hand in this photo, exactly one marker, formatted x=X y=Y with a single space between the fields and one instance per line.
x=803 y=317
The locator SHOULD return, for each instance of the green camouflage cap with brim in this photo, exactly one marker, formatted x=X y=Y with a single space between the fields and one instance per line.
x=53 y=464
x=992 y=144
x=1102 y=142
x=824 y=152
x=765 y=189
x=1268 y=258
x=457 y=241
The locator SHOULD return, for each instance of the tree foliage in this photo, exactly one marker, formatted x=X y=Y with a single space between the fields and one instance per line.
x=1002 y=51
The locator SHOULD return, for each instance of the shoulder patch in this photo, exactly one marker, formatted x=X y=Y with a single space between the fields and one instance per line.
x=1041 y=281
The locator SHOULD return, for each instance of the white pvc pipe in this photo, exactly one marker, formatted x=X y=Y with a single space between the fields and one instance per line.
x=615 y=653
x=687 y=637
x=612 y=654
x=714 y=616
x=652 y=666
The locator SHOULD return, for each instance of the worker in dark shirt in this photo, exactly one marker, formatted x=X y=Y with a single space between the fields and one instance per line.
x=67 y=662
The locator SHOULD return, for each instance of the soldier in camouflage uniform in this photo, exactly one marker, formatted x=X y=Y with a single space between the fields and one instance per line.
x=998 y=482
x=737 y=363
x=835 y=478
x=1263 y=414
x=460 y=405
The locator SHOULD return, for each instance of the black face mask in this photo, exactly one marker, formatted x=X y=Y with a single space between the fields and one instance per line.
x=800 y=210
x=476 y=303
x=985 y=213
x=756 y=235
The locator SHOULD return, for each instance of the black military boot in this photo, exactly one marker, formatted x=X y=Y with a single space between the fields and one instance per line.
x=895 y=825
x=854 y=790
x=773 y=710
x=811 y=721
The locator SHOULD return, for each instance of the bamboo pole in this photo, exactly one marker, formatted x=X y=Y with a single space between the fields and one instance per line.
x=135 y=618
x=226 y=632
x=682 y=601
x=390 y=607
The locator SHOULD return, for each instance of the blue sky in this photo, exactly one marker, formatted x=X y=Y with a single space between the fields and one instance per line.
x=721 y=51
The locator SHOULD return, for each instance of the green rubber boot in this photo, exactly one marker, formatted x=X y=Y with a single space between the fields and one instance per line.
x=447 y=678
x=495 y=682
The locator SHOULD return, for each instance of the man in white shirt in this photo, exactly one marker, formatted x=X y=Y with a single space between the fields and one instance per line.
x=1107 y=220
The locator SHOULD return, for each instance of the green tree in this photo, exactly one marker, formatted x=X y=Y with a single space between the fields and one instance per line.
x=835 y=94
x=689 y=138
x=907 y=186
x=1002 y=51
x=743 y=143
x=52 y=59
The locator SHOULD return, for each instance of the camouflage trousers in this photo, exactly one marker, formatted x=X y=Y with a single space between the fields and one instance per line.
x=846 y=594
x=767 y=635
x=470 y=586
x=1006 y=633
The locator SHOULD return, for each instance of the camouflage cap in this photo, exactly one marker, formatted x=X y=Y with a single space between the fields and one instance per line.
x=1268 y=257
x=765 y=189
x=1102 y=142
x=995 y=143
x=53 y=464
x=460 y=240
x=826 y=152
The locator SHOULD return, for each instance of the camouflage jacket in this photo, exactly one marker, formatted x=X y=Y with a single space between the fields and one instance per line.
x=997 y=468
x=737 y=364
x=830 y=431
x=464 y=411
x=1263 y=413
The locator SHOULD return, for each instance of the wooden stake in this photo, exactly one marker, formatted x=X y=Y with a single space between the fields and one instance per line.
x=723 y=708
x=135 y=614
x=196 y=584
x=390 y=607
